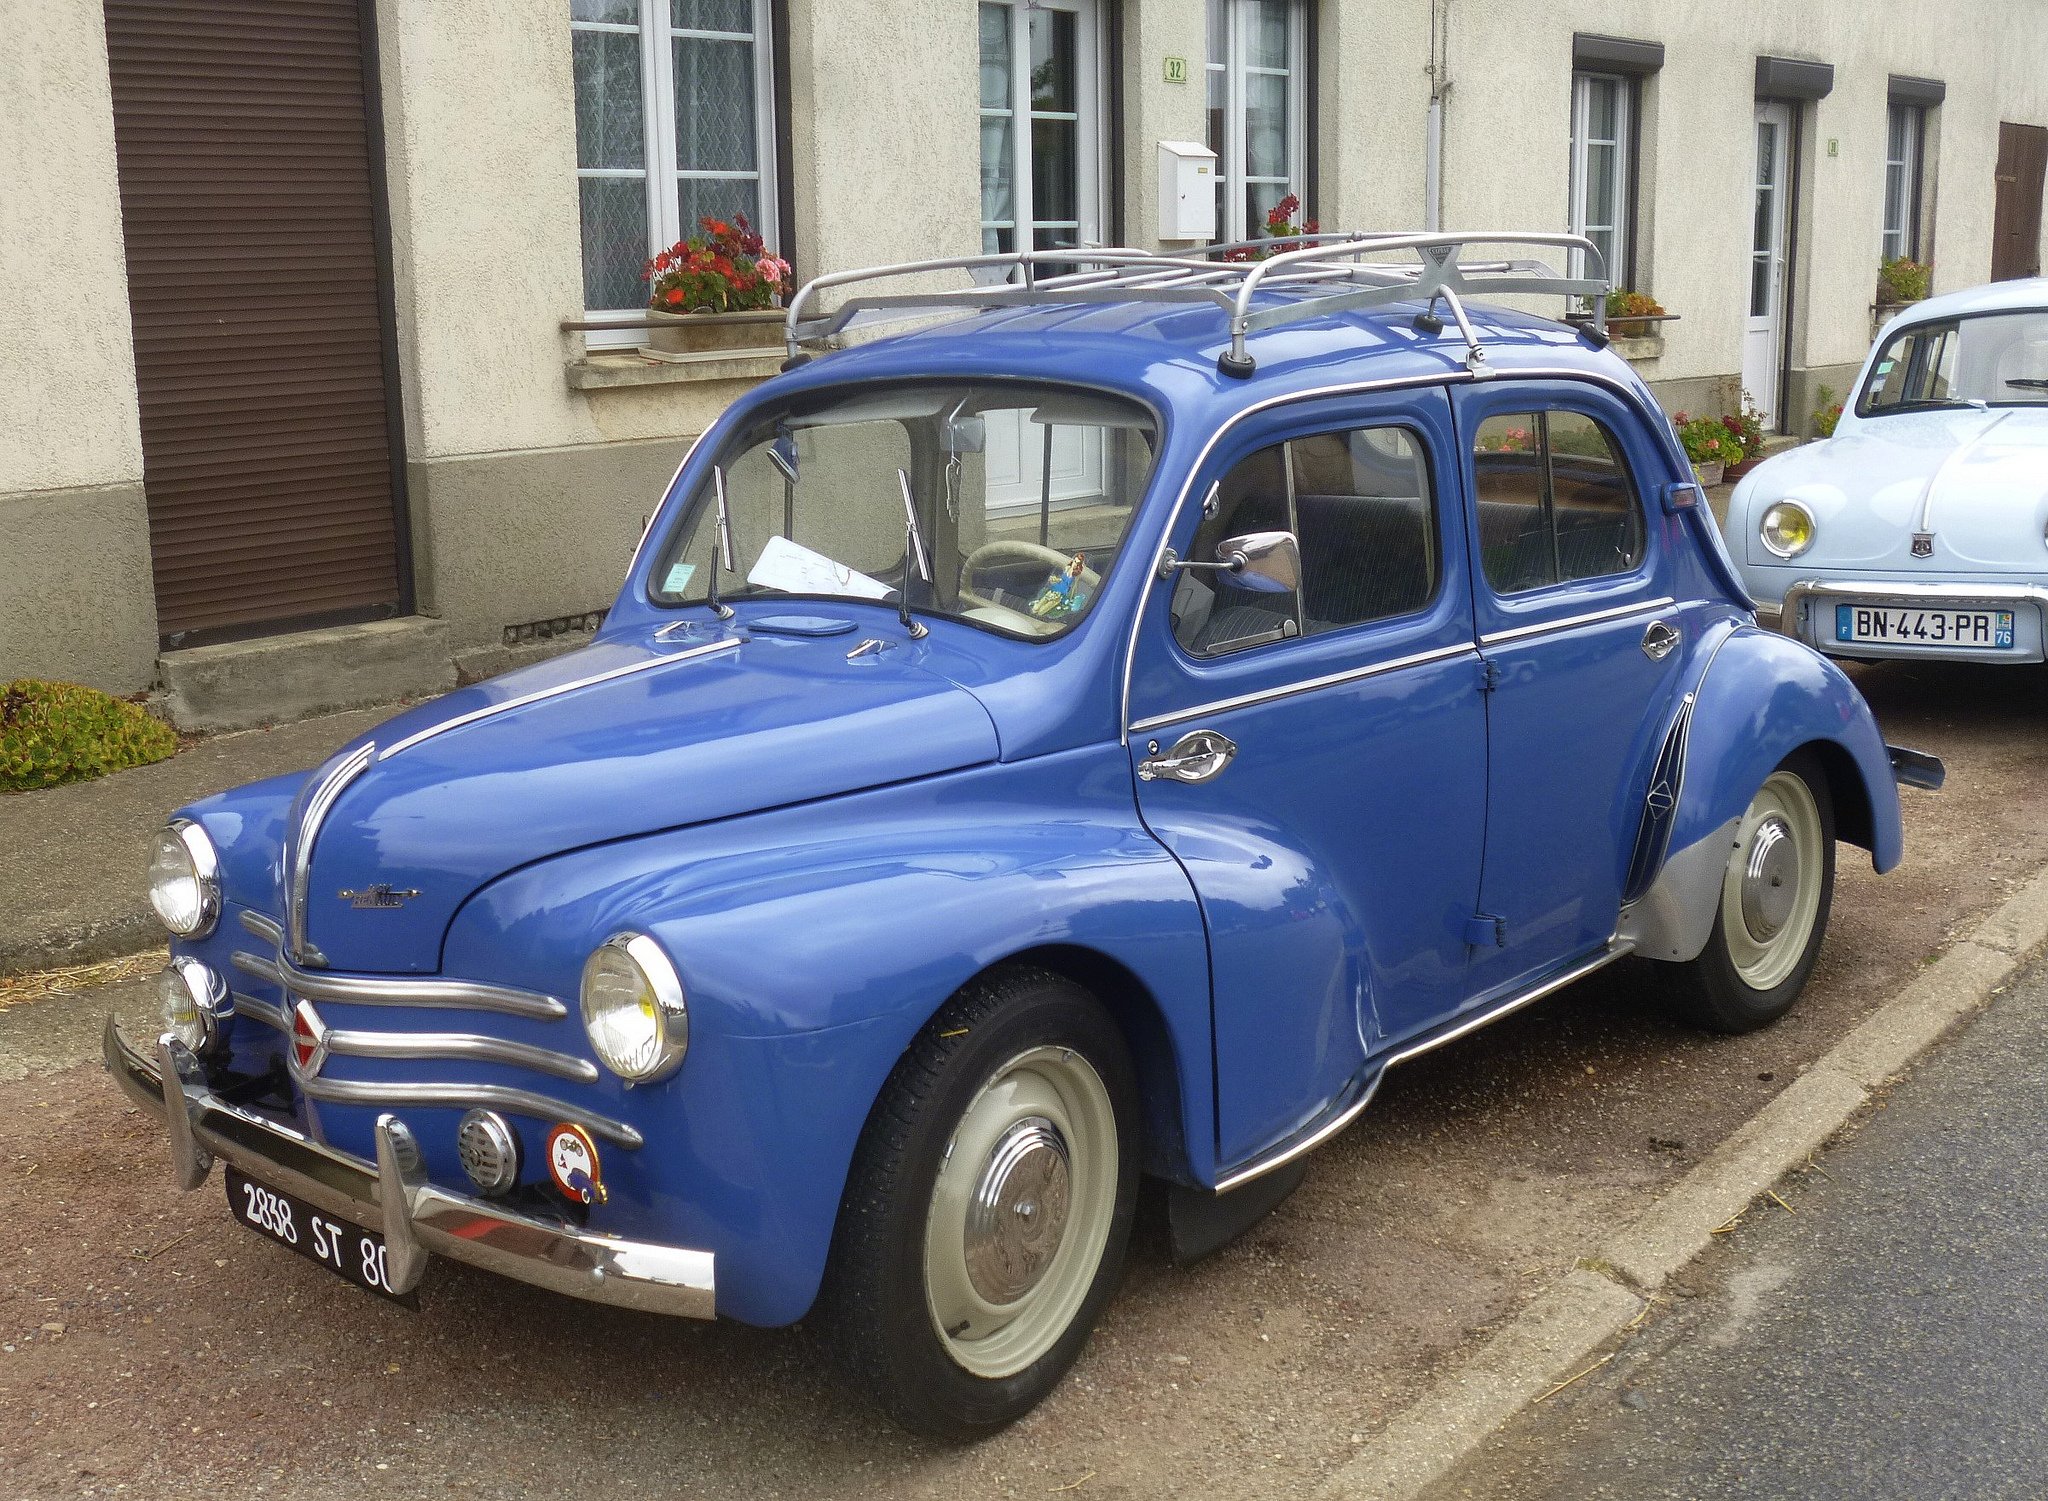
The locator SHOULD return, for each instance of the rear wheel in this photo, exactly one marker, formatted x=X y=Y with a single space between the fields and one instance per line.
x=1775 y=896
x=989 y=1207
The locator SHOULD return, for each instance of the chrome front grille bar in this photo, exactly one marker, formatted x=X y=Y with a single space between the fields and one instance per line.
x=356 y=990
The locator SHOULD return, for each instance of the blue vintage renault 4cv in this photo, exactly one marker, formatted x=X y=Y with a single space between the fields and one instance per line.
x=1089 y=736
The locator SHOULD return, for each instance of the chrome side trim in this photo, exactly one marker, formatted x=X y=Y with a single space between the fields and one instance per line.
x=462 y=1096
x=461 y=1045
x=1570 y=622
x=263 y=927
x=1300 y=1147
x=262 y=1011
x=550 y=1254
x=1308 y=685
x=351 y=990
x=318 y=805
x=491 y=711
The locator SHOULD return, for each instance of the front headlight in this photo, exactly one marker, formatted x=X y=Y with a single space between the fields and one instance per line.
x=184 y=879
x=1786 y=528
x=195 y=1003
x=633 y=1009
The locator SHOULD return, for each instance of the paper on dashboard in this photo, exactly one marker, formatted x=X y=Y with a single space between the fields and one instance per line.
x=795 y=569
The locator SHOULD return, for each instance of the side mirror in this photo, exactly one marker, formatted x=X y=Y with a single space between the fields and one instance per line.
x=1269 y=562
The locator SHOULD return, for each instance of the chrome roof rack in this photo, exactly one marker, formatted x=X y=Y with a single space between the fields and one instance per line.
x=1333 y=268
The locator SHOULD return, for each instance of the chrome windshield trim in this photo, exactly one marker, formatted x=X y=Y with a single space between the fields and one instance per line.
x=352 y=990
x=1570 y=622
x=461 y=1045
x=318 y=805
x=464 y=1096
x=268 y=929
x=491 y=711
x=1300 y=1147
x=1307 y=685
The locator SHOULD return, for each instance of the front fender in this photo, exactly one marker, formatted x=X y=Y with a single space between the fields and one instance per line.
x=1760 y=697
x=813 y=943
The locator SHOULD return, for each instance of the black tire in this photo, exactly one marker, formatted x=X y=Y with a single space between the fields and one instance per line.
x=1712 y=991
x=877 y=1307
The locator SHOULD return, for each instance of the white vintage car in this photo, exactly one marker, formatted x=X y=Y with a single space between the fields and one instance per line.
x=1921 y=528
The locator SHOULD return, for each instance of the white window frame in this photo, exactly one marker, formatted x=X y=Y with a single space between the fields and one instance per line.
x=1579 y=211
x=661 y=172
x=1232 y=224
x=1089 y=117
x=1909 y=166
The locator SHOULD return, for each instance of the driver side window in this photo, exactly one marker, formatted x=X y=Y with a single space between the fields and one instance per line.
x=1361 y=507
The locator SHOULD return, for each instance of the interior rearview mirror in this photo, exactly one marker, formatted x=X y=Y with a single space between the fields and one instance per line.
x=964 y=435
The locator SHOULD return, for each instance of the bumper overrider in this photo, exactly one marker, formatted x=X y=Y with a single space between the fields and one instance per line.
x=392 y=1197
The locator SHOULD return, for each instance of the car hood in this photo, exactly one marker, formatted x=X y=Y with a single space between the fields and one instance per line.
x=1976 y=480
x=612 y=741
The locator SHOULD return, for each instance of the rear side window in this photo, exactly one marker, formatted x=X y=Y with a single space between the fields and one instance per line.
x=1362 y=509
x=1555 y=501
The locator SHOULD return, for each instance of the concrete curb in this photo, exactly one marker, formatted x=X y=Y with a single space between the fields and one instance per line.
x=1563 y=1330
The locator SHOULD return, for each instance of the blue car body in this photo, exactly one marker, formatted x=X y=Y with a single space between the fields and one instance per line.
x=1430 y=819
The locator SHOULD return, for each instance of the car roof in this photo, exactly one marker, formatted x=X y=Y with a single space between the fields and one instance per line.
x=1993 y=297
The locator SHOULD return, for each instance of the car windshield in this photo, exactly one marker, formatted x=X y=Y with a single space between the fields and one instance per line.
x=1022 y=496
x=1992 y=359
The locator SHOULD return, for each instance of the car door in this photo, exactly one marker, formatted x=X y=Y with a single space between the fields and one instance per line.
x=1583 y=646
x=1315 y=757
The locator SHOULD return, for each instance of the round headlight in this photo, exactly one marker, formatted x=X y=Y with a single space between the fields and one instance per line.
x=194 y=1002
x=184 y=879
x=1787 y=529
x=633 y=1009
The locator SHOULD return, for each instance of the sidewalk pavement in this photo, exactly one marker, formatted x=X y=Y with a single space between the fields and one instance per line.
x=72 y=859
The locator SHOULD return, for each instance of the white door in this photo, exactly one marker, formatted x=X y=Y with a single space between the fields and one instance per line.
x=1765 y=336
x=1042 y=176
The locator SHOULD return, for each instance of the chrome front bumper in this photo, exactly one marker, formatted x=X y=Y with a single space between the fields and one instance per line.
x=2027 y=601
x=392 y=1197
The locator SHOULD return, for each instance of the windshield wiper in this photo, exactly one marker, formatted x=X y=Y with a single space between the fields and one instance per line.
x=914 y=555
x=2028 y=382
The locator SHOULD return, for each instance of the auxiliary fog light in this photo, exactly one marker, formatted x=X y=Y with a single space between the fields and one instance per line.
x=195 y=1003
x=184 y=879
x=1787 y=529
x=633 y=1009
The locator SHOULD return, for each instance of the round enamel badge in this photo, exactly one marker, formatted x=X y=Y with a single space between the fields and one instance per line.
x=572 y=1163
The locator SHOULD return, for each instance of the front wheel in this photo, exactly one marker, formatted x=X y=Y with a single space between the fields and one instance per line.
x=1775 y=895
x=989 y=1207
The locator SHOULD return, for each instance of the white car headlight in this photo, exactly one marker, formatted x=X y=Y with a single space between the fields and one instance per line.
x=195 y=1003
x=184 y=879
x=1786 y=528
x=633 y=1009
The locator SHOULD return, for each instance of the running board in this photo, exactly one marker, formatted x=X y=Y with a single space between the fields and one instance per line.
x=1367 y=1085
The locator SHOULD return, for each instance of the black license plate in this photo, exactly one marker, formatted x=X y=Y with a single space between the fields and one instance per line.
x=346 y=1250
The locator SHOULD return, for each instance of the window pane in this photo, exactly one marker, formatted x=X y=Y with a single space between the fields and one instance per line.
x=998 y=193
x=1894 y=203
x=1266 y=34
x=1514 y=534
x=1602 y=186
x=1603 y=110
x=610 y=125
x=1212 y=613
x=1896 y=128
x=618 y=12
x=1055 y=165
x=700 y=198
x=713 y=15
x=1265 y=125
x=1052 y=61
x=1259 y=198
x=1366 y=523
x=614 y=241
x=1219 y=31
x=1599 y=525
x=995 y=57
x=715 y=121
x=1760 y=286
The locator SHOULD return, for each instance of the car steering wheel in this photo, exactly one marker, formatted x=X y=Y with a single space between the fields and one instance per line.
x=990 y=553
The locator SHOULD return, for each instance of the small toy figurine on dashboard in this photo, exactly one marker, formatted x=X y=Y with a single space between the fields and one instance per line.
x=1062 y=593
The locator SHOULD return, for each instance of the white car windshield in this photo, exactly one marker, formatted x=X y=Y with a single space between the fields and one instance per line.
x=1990 y=359
x=1022 y=496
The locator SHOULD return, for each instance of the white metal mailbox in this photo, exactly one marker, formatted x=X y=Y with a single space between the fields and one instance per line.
x=1187 y=191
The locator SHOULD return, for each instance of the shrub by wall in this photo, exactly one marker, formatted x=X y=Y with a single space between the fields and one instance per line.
x=51 y=733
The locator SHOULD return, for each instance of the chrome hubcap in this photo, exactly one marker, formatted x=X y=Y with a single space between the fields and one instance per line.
x=1019 y=1214
x=1770 y=879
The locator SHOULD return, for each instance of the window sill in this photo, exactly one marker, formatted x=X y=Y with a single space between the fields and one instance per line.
x=605 y=370
x=1640 y=347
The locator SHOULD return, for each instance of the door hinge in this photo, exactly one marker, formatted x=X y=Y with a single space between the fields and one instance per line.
x=1489 y=674
x=1486 y=932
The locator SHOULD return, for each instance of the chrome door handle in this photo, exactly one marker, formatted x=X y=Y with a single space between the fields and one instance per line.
x=1660 y=641
x=1197 y=756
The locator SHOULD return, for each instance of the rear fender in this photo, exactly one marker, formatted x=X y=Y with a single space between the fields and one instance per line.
x=1760 y=697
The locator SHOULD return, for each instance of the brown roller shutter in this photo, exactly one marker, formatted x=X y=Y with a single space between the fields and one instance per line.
x=251 y=203
x=2016 y=222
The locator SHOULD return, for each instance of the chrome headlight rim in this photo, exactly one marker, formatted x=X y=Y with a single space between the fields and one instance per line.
x=1775 y=548
x=205 y=868
x=210 y=1002
x=671 y=1011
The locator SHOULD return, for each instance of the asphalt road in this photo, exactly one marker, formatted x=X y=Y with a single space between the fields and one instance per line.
x=192 y=1358
x=1883 y=1334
